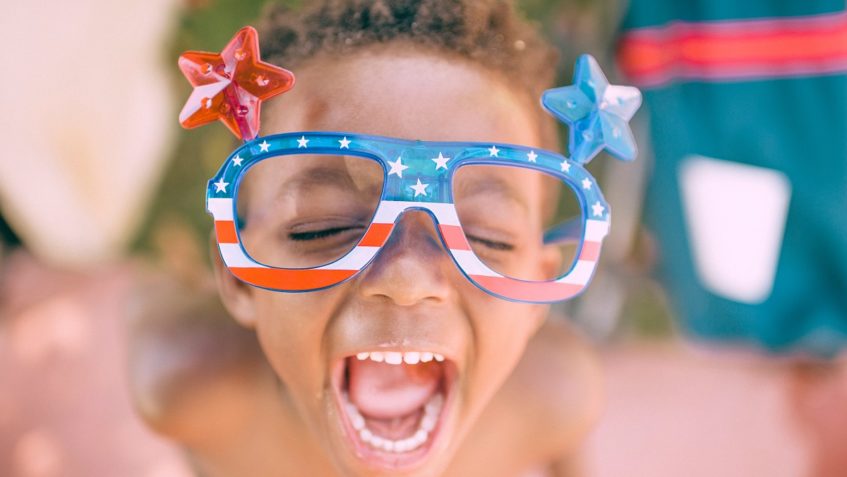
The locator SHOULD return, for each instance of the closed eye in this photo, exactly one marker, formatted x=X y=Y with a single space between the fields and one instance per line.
x=492 y=244
x=320 y=234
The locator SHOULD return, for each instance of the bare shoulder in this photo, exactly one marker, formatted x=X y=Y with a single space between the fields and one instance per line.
x=201 y=380
x=559 y=384
x=187 y=360
x=542 y=412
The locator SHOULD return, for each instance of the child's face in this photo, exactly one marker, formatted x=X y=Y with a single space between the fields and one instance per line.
x=412 y=298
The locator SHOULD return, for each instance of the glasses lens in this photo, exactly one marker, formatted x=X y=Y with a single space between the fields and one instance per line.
x=522 y=223
x=306 y=210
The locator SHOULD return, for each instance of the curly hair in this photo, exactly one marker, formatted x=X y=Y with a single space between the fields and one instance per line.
x=490 y=33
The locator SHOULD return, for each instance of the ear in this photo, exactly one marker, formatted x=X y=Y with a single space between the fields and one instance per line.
x=237 y=296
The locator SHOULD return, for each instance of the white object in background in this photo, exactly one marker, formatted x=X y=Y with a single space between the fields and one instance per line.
x=87 y=119
x=735 y=216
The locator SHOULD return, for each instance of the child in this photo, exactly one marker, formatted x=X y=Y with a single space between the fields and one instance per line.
x=406 y=368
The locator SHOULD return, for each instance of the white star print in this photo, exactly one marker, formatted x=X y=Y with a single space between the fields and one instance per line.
x=598 y=209
x=397 y=167
x=420 y=189
x=264 y=146
x=345 y=143
x=531 y=156
x=566 y=166
x=440 y=161
x=220 y=185
x=302 y=142
x=492 y=151
x=586 y=184
x=237 y=160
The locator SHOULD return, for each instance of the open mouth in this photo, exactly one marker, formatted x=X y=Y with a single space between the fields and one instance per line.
x=393 y=404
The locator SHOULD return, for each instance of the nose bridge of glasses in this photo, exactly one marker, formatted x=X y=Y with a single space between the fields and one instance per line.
x=443 y=216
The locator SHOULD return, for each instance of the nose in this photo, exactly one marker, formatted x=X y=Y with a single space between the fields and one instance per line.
x=412 y=267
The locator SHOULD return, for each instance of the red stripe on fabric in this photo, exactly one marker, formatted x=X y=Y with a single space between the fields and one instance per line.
x=225 y=231
x=739 y=49
x=290 y=280
x=454 y=237
x=528 y=291
x=753 y=25
x=376 y=235
x=590 y=251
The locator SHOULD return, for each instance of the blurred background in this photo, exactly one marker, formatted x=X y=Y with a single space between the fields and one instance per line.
x=720 y=310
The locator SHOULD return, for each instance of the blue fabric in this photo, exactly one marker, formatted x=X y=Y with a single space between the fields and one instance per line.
x=797 y=125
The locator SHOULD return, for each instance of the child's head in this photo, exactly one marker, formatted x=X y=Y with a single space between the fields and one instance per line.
x=430 y=70
x=487 y=37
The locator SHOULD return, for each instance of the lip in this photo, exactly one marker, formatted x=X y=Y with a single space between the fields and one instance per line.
x=378 y=459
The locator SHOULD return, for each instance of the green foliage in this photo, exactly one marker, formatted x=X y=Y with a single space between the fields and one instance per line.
x=205 y=26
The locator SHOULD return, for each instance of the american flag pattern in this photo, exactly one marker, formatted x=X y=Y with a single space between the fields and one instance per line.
x=417 y=176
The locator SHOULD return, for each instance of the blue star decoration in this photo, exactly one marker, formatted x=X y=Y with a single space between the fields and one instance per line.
x=597 y=113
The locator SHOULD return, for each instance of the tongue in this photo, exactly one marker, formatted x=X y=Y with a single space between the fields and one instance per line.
x=385 y=391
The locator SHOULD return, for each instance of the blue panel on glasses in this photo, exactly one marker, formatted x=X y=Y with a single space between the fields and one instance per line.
x=416 y=171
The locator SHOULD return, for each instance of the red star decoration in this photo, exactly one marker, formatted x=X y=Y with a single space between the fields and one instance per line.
x=231 y=86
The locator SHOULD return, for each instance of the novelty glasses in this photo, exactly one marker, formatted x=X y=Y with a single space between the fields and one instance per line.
x=304 y=211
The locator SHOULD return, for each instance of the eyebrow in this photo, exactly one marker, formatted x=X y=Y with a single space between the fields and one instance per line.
x=491 y=185
x=318 y=176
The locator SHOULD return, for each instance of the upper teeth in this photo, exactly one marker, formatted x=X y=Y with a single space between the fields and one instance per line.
x=397 y=357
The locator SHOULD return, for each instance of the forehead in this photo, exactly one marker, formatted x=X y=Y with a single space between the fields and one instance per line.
x=413 y=95
x=401 y=93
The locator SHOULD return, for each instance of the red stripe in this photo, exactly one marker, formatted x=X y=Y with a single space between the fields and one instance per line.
x=454 y=237
x=735 y=49
x=590 y=251
x=291 y=280
x=376 y=235
x=528 y=291
x=225 y=231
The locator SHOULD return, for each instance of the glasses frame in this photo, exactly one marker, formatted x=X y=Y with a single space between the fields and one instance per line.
x=418 y=163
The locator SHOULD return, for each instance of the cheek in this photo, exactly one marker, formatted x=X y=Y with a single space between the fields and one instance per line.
x=290 y=328
x=502 y=331
x=531 y=262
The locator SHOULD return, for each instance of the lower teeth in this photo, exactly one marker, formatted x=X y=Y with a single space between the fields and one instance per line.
x=430 y=417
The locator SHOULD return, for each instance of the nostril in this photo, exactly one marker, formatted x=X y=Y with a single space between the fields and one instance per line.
x=405 y=282
x=408 y=271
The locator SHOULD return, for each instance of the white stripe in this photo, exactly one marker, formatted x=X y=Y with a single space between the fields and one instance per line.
x=446 y=213
x=234 y=256
x=221 y=209
x=581 y=273
x=595 y=230
x=355 y=260
x=471 y=264
x=389 y=210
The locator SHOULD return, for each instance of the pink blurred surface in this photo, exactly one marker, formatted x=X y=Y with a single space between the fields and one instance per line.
x=675 y=410
x=64 y=408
